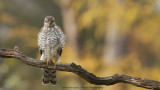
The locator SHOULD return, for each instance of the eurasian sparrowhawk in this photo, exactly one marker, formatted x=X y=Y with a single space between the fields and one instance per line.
x=51 y=41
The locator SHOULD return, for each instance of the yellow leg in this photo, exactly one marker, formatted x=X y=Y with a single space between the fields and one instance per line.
x=54 y=62
x=47 y=61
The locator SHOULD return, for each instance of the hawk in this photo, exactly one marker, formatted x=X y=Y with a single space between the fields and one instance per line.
x=51 y=41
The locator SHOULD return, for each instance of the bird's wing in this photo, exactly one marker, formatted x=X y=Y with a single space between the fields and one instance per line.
x=40 y=49
x=62 y=37
x=60 y=51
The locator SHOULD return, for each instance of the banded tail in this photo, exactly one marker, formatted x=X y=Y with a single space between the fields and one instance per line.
x=49 y=76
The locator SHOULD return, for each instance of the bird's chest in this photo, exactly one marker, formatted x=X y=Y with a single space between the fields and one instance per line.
x=50 y=37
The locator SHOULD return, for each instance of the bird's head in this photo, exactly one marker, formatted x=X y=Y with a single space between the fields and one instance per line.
x=49 y=21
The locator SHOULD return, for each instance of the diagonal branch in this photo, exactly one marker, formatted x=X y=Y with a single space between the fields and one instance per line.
x=77 y=69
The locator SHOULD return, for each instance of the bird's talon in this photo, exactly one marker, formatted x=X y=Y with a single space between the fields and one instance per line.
x=54 y=64
x=47 y=61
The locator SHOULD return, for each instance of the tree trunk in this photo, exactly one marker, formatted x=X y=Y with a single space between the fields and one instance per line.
x=69 y=24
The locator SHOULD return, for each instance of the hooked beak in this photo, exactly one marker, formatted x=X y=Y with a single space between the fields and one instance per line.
x=50 y=22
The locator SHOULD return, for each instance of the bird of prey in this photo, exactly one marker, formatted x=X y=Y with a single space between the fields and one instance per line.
x=51 y=41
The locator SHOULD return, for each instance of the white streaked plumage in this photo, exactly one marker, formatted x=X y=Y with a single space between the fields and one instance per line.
x=51 y=41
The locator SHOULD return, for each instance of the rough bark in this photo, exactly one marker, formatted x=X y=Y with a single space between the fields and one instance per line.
x=77 y=69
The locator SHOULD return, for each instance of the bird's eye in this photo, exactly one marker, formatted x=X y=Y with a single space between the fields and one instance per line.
x=52 y=21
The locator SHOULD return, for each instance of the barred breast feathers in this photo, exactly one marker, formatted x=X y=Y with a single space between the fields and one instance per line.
x=51 y=39
x=41 y=39
x=61 y=36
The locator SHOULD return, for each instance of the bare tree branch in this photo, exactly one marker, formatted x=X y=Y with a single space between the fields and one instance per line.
x=77 y=69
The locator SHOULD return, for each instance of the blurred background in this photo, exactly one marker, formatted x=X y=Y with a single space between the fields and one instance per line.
x=103 y=36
